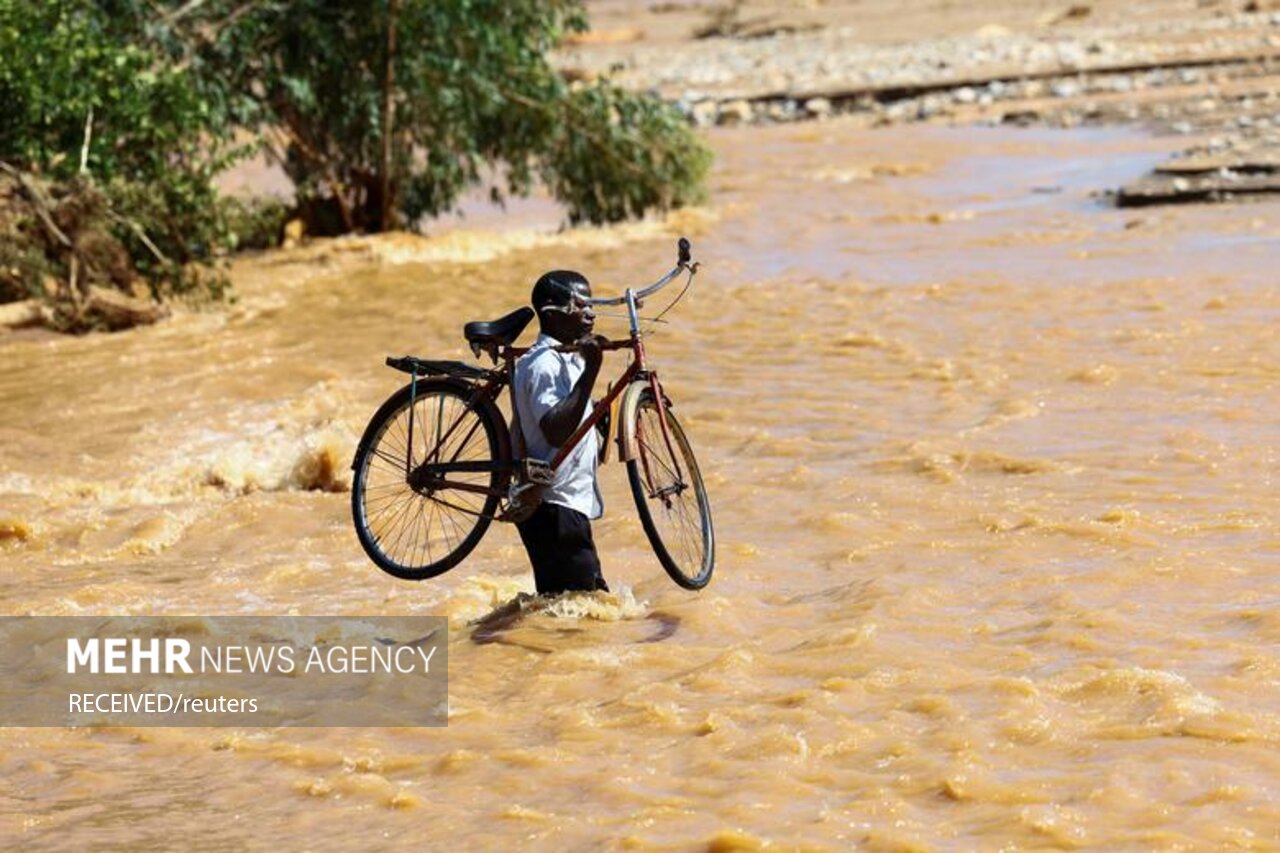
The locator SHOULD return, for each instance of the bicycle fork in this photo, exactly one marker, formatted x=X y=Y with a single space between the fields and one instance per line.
x=659 y=401
x=655 y=389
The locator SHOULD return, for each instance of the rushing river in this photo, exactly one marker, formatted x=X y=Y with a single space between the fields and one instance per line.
x=994 y=474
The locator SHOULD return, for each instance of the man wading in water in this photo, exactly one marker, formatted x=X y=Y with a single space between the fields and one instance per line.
x=553 y=398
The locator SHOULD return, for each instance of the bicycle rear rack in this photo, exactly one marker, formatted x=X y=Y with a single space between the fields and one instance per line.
x=426 y=367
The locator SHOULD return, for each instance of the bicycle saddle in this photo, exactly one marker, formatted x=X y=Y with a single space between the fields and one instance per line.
x=501 y=331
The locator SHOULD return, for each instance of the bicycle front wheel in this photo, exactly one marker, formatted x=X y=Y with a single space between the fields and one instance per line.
x=418 y=510
x=670 y=496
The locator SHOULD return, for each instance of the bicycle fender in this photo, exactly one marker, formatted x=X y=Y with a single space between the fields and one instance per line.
x=628 y=409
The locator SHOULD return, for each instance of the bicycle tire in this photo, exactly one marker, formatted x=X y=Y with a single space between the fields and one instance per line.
x=386 y=508
x=684 y=545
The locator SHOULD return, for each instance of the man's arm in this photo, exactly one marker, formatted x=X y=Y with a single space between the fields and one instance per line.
x=563 y=418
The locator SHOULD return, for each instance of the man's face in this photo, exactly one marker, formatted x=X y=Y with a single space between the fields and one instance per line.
x=582 y=313
x=571 y=321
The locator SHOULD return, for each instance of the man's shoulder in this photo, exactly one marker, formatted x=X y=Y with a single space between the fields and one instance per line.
x=536 y=369
x=540 y=358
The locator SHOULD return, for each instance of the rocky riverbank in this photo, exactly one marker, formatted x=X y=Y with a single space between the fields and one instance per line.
x=1203 y=70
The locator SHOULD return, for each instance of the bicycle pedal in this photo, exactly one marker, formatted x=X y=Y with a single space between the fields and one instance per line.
x=522 y=500
x=539 y=472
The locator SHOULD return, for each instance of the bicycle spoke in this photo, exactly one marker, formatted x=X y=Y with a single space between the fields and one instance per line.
x=384 y=492
x=403 y=442
x=375 y=508
x=412 y=549
x=412 y=518
x=396 y=463
x=462 y=509
x=433 y=430
x=439 y=425
x=413 y=529
x=428 y=520
x=430 y=527
x=393 y=516
x=444 y=529
x=393 y=503
x=455 y=513
x=687 y=533
x=654 y=454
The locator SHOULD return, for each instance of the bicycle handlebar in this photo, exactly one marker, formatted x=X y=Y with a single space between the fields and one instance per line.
x=683 y=262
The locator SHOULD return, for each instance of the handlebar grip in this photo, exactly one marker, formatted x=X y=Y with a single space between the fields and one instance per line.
x=685 y=250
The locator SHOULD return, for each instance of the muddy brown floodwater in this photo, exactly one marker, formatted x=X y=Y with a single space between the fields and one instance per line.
x=993 y=469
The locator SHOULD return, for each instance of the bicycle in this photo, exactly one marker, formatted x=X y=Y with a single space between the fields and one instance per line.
x=437 y=464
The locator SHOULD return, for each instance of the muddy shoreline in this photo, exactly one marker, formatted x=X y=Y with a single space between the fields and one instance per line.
x=1210 y=72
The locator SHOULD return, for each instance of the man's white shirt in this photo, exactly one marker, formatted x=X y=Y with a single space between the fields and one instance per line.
x=543 y=378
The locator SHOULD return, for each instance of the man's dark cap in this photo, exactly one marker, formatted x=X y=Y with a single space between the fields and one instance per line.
x=556 y=288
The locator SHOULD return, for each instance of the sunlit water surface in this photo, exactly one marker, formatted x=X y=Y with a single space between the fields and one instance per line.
x=993 y=468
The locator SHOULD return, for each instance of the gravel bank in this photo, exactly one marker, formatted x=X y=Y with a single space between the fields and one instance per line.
x=1211 y=74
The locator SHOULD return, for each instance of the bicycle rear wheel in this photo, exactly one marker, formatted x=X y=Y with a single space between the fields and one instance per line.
x=413 y=521
x=671 y=498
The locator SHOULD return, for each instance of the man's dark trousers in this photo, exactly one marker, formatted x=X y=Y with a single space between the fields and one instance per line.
x=561 y=550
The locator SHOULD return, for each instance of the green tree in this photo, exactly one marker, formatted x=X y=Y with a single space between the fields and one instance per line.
x=117 y=114
x=129 y=139
x=385 y=111
x=71 y=87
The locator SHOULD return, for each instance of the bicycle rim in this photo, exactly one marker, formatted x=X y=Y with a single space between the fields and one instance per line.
x=671 y=498
x=417 y=533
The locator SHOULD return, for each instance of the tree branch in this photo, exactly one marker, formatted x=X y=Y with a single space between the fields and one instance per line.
x=142 y=235
x=88 y=137
x=182 y=11
x=41 y=204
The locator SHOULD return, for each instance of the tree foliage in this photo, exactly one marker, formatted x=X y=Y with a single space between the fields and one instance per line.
x=616 y=155
x=461 y=87
x=127 y=138
x=63 y=78
x=383 y=112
